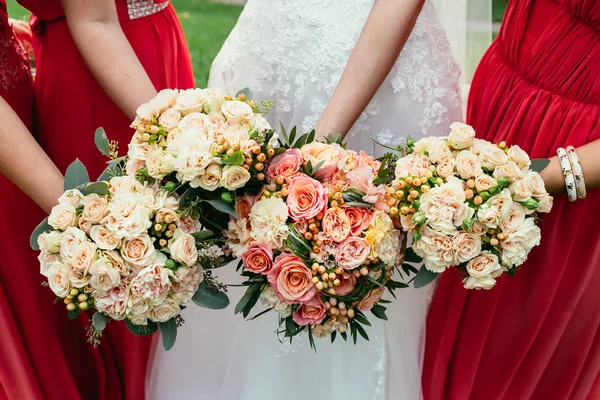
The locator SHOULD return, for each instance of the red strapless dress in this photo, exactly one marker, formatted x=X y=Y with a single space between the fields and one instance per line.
x=43 y=354
x=536 y=335
x=71 y=105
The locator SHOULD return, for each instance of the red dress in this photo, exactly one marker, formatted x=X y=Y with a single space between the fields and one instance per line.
x=535 y=335
x=71 y=105
x=37 y=361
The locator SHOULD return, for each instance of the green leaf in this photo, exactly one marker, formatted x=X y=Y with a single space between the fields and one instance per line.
x=202 y=235
x=100 y=188
x=102 y=141
x=142 y=330
x=311 y=339
x=210 y=298
x=188 y=196
x=291 y=328
x=344 y=336
x=237 y=158
x=76 y=175
x=302 y=140
x=43 y=227
x=223 y=206
x=424 y=277
x=353 y=332
x=360 y=317
x=168 y=331
x=358 y=204
x=246 y=92
x=408 y=269
x=316 y=167
x=75 y=313
x=292 y=136
x=362 y=331
x=539 y=164
x=284 y=134
x=379 y=312
x=411 y=256
x=245 y=300
x=99 y=320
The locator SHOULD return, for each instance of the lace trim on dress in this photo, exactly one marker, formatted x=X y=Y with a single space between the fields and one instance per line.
x=13 y=58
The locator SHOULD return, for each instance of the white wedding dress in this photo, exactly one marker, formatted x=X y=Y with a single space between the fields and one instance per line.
x=294 y=52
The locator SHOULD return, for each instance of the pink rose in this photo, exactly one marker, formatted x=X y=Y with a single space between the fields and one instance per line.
x=243 y=205
x=291 y=279
x=360 y=219
x=352 y=252
x=330 y=154
x=286 y=164
x=258 y=258
x=370 y=299
x=336 y=224
x=310 y=313
x=306 y=198
x=347 y=284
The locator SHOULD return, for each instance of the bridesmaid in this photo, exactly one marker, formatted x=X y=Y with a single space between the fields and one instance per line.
x=97 y=61
x=537 y=335
x=35 y=364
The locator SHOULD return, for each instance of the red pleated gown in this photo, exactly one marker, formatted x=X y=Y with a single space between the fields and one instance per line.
x=71 y=105
x=43 y=355
x=535 y=335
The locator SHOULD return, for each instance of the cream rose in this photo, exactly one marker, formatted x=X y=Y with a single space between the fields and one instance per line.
x=237 y=111
x=125 y=184
x=210 y=180
x=521 y=190
x=492 y=157
x=183 y=248
x=445 y=167
x=164 y=311
x=484 y=183
x=268 y=221
x=147 y=112
x=69 y=242
x=536 y=184
x=439 y=150
x=137 y=309
x=190 y=100
x=352 y=252
x=461 y=135
x=502 y=201
x=519 y=156
x=127 y=217
x=195 y=123
x=124 y=268
x=170 y=118
x=234 y=177
x=468 y=165
x=489 y=216
x=85 y=225
x=46 y=259
x=515 y=217
x=478 y=228
x=58 y=279
x=72 y=197
x=103 y=238
x=510 y=171
x=62 y=216
x=165 y=99
x=467 y=246
x=104 y=275
x=49 y=242
x=545 y=204
x=95 y=208
x=486 y=264
x=487 y=282
x=83 y=257
x=139 y=250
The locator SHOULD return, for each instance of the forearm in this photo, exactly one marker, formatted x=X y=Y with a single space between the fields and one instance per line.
x=386 y=31
x=105 y=49
x=24 y=162
x=590 y=163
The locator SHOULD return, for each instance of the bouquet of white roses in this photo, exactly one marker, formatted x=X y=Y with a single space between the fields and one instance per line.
x=469 y=204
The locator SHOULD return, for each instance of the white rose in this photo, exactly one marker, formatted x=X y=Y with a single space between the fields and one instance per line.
x=489 y=216
x=467 y=246
x=510 y=171
x=141 y=151
x=46 y=259
x=49 y=242
x=492 y=156
x=468 y=164
x=445 y=167
x=436 y=249
x=183 y=248
x=483 y=265
x=139 y=250
x=63 y=216
x=103 y=238
x=190 y=100
x=515 y=217
x=461 y=136
x=194 y=122
x=234 y=177
x=165 y=99
x=71 y=239
x=262 y=124
x=502 y=201
x=519 y=156
x=237 y=111
x=72 y=197
x=147 y=112
x=95 y=208
x=58 y=279
x=170 y=119
x=215 y=98
x=164 y=311
x=172 y=202
x=210 y=180
x=127 y=218
x=125 y=184
x=545 y=204
x=104 y=275
x=478 y=228
x=536 y=184
x=268 y=220
x=484 y=182
x=138 y=309
x=521 y=190
x=83 y=257
x=485 y=283
x=439 y=150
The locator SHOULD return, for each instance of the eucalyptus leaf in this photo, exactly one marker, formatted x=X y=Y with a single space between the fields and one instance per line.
x=202 y=235
x=424 y=277
x=223 y=206
x=142 y=330
x=75 y=313
x=76 y=175
x=246 y=92
x=99 y=320
x=100 y=188
x=102 y=141
x=210 y=298
x=168 y=331
x=43 y=227
x=539 y=164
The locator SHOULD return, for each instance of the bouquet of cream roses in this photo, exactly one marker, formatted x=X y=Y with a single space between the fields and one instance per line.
x=469 y=204
x=315 y=241
x=120 y=248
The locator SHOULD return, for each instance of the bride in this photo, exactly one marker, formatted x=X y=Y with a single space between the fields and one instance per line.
x=373 y=70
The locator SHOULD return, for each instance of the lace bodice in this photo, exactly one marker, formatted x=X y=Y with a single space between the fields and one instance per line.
x=294 y=52
x=13 y=58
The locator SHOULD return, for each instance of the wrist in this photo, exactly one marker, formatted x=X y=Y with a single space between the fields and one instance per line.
x=553 y=177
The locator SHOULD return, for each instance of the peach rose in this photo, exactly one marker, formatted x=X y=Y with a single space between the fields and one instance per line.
x=117 y=261
x=85 y=225
x=138 y=251
x=286 y=164
x=445 y=167
x=243 y=205
x=83 y=257
x=370 y=299
x=347 y=284
x=306 y=198
x=164 y=311
x=461 y=135
x=360 y=219
x=330 y=154
x=58 y=278
x=237 y=111
x=291 y=279
x=310 y=313
x=95 y=208
x=258 y=258
x=103 y=238
x=336 y=224
x=104 y=275
x=484 y=265
x=183 y=248
x=510 y=171
x=484 y=183
x=467 y=246
x=352 y=252
x=468 y=165
x=63 y=216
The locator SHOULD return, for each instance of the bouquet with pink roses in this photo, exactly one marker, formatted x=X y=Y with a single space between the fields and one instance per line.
x=468 y=204
x=316 y=242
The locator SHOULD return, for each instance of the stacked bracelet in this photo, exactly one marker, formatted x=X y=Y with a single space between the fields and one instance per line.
x=577 y=172
x=565 y=165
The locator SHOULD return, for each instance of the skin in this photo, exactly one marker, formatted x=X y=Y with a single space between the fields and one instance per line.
x=29 y=168
x=97 y=33
x=590 y=162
